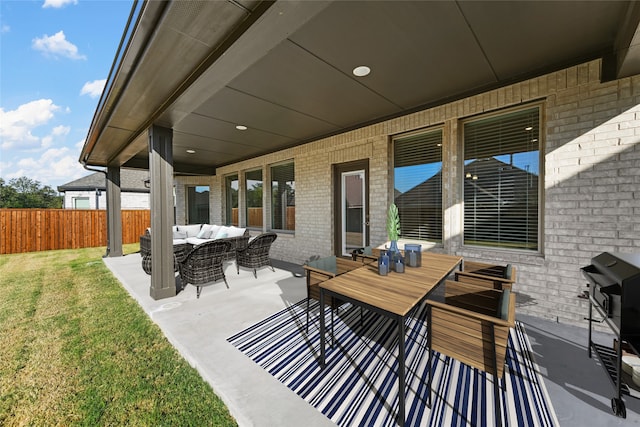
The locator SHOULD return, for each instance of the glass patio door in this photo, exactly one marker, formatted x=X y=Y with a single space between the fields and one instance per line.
x=353 y=211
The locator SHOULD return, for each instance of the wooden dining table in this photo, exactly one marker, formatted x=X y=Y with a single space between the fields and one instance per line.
x=395 y=296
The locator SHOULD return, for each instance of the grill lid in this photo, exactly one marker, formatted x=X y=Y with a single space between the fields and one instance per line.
x=622 y=268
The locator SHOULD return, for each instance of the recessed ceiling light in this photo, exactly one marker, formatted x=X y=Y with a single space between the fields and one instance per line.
x=241 y=127
x=361 y=71
x=191 y=151
x=529 y=128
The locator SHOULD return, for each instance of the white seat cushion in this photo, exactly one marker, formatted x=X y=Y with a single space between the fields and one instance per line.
x=197 y=241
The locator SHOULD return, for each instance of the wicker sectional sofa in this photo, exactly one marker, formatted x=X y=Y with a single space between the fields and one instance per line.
x=187 y=236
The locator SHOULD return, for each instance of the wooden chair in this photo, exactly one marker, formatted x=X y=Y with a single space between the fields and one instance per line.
x=472 y=326
x=319 y=270
x=203 y=265
x=365 y=255
x=482 y=274
x=256 y=253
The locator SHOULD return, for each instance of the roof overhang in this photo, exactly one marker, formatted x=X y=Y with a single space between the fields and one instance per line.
x=284 y=69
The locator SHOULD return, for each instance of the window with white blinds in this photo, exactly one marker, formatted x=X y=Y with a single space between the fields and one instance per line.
x=502 y=179
x=417 y=177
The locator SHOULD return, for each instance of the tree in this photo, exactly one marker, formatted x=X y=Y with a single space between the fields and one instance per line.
x=24 y=192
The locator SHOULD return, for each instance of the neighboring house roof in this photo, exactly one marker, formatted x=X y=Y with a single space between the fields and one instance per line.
x=131 y=181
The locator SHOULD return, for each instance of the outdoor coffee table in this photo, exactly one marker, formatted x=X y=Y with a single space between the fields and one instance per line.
x=394 y=296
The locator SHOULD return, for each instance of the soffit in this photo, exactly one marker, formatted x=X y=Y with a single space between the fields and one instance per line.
x=287 y=76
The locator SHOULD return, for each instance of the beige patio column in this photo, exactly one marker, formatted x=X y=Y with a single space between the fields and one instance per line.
x=163 y=283
x=114 y=213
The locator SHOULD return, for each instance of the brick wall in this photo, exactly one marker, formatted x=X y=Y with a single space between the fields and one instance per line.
x=591 y=194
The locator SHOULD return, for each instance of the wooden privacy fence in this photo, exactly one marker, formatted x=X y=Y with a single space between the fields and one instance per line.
x=254 y=217
x=31 y=230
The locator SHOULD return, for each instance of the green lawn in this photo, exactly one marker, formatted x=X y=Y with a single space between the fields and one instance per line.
x=77 y=350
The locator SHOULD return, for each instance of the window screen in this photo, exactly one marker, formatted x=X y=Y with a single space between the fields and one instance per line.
x=253 y=194
x=501 y=180
x=231 y=194
x=283 y=197
x=198 y=204
x=418 y=185
x=81 y=203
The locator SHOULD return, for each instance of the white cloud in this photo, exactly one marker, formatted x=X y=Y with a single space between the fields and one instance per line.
x=16 y=126
x=58 y=3
x=56 y=166
x=56 y=133
x=4 y=166
x=61 y=130
x=94 y=88
x=5 y=29
x=57 y=45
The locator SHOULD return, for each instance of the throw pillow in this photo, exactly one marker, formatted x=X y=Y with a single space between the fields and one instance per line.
x=214 y=231
x=206 y=228
x=179 y=234
x=222 y=233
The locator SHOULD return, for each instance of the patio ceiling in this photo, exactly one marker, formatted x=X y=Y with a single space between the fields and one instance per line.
x=284 y=69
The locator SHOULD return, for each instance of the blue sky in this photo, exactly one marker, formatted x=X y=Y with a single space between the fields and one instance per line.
x=55 y=56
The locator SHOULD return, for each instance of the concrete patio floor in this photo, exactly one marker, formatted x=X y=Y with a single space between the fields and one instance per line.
x=579 y=388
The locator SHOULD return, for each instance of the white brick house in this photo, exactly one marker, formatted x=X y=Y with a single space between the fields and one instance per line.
x=89 y=192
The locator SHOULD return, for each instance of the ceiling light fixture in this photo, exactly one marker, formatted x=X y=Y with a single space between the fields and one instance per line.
x=191 y=151
x=241 y=127
x=361 y=71
x=529 y=128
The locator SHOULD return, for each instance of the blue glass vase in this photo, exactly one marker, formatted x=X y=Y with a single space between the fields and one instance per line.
x=383 y=263
x=394 y=252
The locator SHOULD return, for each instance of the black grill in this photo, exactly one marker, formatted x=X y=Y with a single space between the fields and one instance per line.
x=614 y=292
x=615 y=286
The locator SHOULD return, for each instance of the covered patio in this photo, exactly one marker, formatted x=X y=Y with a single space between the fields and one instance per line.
x=522 y=120
x=199 y=328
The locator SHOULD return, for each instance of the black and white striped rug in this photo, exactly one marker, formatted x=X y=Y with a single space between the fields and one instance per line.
x=359 y=384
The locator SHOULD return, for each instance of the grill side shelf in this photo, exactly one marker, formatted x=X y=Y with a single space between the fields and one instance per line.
x=608 y=356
